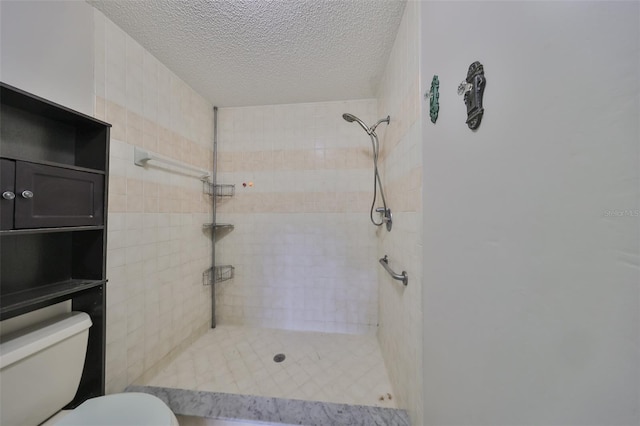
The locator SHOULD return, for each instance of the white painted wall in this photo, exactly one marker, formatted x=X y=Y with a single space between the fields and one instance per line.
x=531 y=291
x=46 y=48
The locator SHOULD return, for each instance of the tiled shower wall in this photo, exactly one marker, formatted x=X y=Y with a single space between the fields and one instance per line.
x=400 y=331
x=156 y=302
x=303 y=247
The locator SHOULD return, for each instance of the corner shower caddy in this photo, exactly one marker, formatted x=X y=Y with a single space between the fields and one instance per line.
x=222 y=190
x=216 y=273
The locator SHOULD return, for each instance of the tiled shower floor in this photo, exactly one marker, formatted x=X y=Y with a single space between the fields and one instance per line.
x=341 y=368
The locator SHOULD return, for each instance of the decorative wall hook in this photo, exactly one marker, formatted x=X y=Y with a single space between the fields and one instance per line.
x=473 y=90
x=464 y=87
x=433 y=96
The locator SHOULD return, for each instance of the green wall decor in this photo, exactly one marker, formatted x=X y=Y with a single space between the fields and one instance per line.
x=434 y=99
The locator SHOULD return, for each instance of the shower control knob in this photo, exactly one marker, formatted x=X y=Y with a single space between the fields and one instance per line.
x=8 y=195
x=27 y=194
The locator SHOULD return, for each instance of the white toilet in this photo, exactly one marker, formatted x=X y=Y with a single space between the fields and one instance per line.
x=40 y=370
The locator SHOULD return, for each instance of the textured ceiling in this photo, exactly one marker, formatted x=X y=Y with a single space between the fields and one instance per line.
x=257 y=52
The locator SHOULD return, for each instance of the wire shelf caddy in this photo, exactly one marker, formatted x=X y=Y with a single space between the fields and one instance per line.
x=218 y=274
x=220 y=190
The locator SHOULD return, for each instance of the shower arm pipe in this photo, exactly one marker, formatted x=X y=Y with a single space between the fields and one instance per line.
x=382 y=120
x=404 y=277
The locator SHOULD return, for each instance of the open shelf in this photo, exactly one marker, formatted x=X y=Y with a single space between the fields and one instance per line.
x=51 y=230
x=54 y=164
x=37 y=130
x=32 y=298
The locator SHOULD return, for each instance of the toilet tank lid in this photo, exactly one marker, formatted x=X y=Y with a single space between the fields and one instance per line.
x=121 y=409
x=30 y=340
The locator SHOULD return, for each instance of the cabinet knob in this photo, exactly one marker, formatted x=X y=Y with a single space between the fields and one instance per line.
x=27 y=194
x=8 y=195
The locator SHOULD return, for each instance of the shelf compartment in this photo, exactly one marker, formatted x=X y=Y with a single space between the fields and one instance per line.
x=30 y=261
x=38 y=130
x=218 y=274
x=50 y=230
x=220 y=190
x=21 y=301
x=53 y=164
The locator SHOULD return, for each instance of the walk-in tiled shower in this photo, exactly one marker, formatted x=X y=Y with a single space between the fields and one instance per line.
x=307 y=281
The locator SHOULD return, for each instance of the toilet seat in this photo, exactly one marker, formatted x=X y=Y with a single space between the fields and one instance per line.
x=121 y=409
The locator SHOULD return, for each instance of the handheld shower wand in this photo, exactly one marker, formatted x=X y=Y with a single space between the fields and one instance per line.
x=371 y=131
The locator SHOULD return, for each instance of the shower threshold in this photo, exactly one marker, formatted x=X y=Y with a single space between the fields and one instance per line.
x=200 y=408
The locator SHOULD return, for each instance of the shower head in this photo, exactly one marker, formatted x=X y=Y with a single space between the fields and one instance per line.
x=371 y=131
x=351 y=118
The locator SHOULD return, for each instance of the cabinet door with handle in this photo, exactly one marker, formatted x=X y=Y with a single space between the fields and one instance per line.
x=7 y=191
x=47 y=196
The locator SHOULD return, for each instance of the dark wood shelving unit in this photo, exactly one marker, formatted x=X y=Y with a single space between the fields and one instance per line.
x=49 y=230
x=55 y=164
x=34 y=298
x=54 y=168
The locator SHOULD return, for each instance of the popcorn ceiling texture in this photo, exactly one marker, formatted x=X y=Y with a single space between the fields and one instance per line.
x=245 y=52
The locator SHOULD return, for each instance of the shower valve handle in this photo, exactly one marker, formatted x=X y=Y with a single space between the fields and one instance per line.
x=386 y=216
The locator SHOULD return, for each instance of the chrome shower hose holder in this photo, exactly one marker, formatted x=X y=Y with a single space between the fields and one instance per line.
x=387 y=217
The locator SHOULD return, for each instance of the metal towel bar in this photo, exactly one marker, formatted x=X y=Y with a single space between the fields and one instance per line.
x=140 y=158
x=404 y=277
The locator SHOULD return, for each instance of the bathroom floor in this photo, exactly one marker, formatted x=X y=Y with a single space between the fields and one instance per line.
x=340 y=368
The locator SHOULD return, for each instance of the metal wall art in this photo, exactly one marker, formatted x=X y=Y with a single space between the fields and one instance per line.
x=473 y=89
x=433 y=95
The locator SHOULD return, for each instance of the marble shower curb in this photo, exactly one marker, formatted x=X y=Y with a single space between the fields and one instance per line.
x=225 y=406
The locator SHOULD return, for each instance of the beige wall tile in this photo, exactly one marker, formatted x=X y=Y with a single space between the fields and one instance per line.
x=146 y=247
x=117 y=116
x=292 y=229
x=400 y=307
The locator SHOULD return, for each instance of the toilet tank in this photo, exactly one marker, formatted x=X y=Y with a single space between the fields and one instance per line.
x=41 y=367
